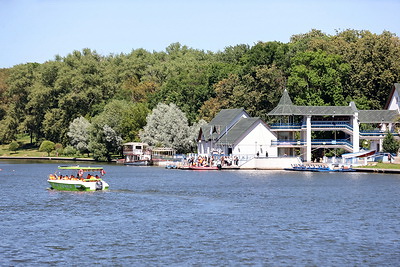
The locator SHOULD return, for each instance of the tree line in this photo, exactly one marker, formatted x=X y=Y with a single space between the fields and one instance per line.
x=117 y=94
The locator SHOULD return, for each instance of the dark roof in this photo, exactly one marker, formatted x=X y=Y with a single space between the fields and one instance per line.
x=377 y=116
x=221 y=121
x=325 y=110
x=225 y=116
x=237 y=130
x=286 y=107
x=285 y=99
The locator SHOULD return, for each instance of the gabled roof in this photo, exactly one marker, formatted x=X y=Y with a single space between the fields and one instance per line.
x=396 y=87
x=225 y=116
x=377 y=116
x=232 y=135
x=224 y=119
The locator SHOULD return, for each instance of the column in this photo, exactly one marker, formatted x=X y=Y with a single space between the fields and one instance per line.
x=356 y=133
x=308 y=138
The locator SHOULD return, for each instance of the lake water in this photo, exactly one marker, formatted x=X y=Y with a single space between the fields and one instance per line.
x=157 y=217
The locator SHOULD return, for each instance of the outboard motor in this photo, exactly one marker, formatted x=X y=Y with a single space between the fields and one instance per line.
x=99 y=185
x=219 y=166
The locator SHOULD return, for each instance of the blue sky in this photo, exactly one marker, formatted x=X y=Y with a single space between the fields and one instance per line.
x=37 y=30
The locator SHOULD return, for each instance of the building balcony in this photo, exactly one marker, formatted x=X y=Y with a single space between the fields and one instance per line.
x=315 y=125
x=315 y=142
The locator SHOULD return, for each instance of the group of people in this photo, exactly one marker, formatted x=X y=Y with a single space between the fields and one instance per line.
x=206 y=161
x=73 y=178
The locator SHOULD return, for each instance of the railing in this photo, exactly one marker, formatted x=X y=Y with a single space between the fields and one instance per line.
x=328 y=125
x=286 y=126
x=314 y=124
x=376 y=133
x=315 y=142
x=332 y=124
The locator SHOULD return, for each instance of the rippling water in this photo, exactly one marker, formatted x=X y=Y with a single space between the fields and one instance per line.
x=156 y=217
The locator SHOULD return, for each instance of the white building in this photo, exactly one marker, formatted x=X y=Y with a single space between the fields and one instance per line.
x=234 y=132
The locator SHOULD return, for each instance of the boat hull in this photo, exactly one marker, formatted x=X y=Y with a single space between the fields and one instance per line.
x=319 y=170
x=202 y=168
x=139 y=163
x=66 y=185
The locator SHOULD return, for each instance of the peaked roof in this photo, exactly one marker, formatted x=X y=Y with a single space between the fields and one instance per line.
x=231 y=136
x=225 y=116
x=396 y=87
x=285 y=99
x=285 y=107
x=221 y=122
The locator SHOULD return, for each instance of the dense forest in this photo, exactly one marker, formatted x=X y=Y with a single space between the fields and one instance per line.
x=114 y=94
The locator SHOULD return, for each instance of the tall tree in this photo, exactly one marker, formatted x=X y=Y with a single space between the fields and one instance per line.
x=317 y=78
x=167 y=126
x=79 y=134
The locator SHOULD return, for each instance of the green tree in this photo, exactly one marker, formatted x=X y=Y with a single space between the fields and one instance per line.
x=13 y=146
x=374 y=60
x=317 y=78
x=390 y=144
x=47 y=146
x=104 y=141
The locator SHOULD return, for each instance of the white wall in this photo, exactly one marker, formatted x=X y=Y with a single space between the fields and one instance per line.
x=256 y=139
x=394 y=102
x=278 y=163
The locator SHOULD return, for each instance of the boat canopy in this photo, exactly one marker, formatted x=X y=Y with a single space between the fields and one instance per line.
x=85 y=169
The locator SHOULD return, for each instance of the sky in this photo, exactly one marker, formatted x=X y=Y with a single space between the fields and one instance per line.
x=38 y=30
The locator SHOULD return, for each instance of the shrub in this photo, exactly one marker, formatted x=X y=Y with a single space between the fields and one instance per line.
x=69 y=151
x=47 y=146
x=59 y=149
x=13 y=146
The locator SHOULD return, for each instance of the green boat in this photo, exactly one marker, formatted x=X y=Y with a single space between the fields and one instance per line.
x=77 y=178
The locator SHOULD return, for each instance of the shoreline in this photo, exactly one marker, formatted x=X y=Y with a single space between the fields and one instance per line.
x=48 y=158
x=368 y=170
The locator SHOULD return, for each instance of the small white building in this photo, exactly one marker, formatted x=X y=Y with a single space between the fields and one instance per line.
x=232 y=132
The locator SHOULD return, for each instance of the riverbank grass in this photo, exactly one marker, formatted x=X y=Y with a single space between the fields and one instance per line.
x=382 y=166
x=28 y=149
